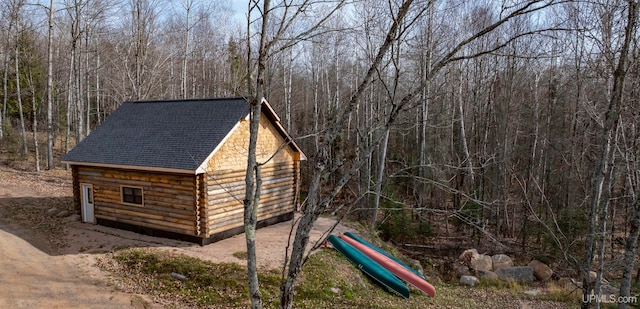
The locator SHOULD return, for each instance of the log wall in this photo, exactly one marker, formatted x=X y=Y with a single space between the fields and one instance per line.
x=171 y=202
x=76 y=190
x=226 y=173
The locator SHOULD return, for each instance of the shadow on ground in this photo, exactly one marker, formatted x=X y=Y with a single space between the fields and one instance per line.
x=51 y=225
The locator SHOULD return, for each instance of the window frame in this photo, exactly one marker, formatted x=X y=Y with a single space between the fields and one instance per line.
x=122 y=196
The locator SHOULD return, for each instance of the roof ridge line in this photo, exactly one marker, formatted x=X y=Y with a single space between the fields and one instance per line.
x=185 y=100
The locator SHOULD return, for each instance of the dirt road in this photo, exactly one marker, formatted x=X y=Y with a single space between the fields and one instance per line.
x=31 y=278
x=32 y=275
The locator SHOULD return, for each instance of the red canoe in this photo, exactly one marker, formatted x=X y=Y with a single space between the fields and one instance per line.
x=393 y=267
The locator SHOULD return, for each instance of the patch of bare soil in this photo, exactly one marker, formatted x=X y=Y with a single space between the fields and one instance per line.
x=32 y=271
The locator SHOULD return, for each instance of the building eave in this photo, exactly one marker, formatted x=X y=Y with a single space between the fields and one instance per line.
x=137 y=168
x=268 y=110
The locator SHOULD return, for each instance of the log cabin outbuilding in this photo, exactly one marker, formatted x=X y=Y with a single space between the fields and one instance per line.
x=177 y=169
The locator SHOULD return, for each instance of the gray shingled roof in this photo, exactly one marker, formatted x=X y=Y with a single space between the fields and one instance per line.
x=160 y=134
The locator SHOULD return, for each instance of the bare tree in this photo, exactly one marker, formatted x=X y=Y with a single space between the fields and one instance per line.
x=6 y=12
x=139 y=57
x=266 y=48
x=253 y=179
x=23 y=133
x=602 y=175
x=316 y=204
x=392 y=94
x=631 y=245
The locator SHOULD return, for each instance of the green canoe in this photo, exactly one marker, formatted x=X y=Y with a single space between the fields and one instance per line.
x=369 y=267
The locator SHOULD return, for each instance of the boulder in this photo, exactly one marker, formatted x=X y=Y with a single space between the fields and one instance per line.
x=541 y=271
x=501 y=260
x=467 y=256
x=487 y=275
x=482 y=263
x=534 y=292
x=415 y=264
x=463 y=270
x=179 y=277
x=139 y=302
x=469 y=280
x=516 y=273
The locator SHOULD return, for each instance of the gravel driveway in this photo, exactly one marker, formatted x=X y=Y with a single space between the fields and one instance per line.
x=31 y=278
x=34 y=275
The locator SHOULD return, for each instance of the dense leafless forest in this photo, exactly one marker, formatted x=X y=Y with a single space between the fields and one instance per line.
x=513 y=122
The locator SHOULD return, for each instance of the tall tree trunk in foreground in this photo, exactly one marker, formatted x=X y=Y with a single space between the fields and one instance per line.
x=632 y=240
x=253 y=178
x=630 y=257
x=602 y=178
x=315 y=204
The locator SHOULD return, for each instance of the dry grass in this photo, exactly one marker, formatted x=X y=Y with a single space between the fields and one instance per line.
x=327 y=281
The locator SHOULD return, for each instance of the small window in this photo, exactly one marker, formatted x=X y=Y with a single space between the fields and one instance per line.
x=132 y=195
x=89 y=195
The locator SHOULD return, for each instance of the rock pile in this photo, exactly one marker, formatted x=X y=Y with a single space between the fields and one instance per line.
x=474 y=268
x=500 y=266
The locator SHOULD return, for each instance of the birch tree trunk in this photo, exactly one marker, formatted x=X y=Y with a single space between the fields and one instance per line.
x=287 y=77
x=50 y=88
x=87 y=80
x=185 y=55
x=5 y=94
x=98 y=94
x=70 y=92
x=79 y=97
x=35 y=120
x=5 y=83
x=23 y=132
x=379 y=177
x=463 y=130
x=425 y=67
